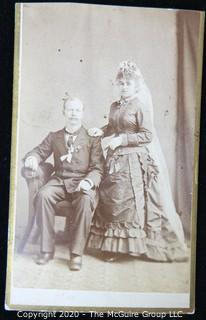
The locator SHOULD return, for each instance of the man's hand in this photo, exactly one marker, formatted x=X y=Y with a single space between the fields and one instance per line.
x=115 y=142
x=85 y=185
x=31 y=163
x=95 y=132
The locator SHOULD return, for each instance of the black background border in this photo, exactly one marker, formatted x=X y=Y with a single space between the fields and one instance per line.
x=7 y=12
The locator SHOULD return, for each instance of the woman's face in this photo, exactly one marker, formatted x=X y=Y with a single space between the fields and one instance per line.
x=127 y=87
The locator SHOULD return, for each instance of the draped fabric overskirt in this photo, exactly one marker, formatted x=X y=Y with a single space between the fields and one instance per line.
x=130 y=217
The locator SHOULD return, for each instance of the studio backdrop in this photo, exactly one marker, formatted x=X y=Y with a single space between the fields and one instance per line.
x=78 y=48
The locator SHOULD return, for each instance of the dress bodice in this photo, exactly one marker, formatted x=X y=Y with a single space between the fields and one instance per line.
x=130 y=117
x=123 y=117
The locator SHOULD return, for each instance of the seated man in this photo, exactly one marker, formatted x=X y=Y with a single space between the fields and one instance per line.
x=78 y=164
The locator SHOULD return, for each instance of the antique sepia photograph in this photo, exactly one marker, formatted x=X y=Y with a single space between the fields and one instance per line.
x=104 y=159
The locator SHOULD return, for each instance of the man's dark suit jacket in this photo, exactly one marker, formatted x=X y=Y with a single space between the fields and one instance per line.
x=87 y=159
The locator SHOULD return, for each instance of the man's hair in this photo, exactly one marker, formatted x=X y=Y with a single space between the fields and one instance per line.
x=70 y=99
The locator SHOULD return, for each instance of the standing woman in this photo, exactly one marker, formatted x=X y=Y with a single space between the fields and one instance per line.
x=136 y=213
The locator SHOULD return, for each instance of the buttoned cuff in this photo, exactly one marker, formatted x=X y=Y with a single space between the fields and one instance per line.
x=124 y=142
x=90 y=182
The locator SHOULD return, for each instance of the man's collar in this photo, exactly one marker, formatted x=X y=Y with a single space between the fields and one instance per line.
x=74 y=133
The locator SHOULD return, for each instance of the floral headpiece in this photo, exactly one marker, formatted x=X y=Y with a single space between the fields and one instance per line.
x=128 y=69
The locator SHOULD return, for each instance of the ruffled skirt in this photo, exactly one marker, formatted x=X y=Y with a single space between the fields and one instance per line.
x=130 y=218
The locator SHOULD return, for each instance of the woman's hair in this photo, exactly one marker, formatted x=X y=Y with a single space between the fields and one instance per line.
x=128 y=70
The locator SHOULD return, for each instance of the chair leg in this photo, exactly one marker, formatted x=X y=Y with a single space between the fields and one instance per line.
x=34 y=184
x=26 y=234
x=36 y=236
x=63 y=236
x=67 y=225
x=33 y=187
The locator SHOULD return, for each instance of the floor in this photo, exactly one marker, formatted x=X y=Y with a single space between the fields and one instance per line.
x=127 y=275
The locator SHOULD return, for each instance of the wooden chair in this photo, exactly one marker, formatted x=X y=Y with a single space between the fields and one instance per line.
x=35 y=180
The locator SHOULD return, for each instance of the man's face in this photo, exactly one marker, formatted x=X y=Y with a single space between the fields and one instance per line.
x=73 y=112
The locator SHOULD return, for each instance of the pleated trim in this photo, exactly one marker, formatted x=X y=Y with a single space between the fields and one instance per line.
x=117 y=229
x=137 y=247
x=119 y=245
x=129 y=238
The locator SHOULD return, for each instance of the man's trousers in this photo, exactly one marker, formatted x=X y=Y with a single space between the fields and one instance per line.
x=83 y=204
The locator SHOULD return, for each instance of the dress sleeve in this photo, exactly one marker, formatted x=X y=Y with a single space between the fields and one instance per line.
x=144 y=130
x=108 y=130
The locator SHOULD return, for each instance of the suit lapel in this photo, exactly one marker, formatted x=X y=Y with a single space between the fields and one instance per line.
x=61 y=141
x=81 y=138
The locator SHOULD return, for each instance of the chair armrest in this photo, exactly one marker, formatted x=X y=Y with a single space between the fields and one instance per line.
x=43 y=172
x=36 y=179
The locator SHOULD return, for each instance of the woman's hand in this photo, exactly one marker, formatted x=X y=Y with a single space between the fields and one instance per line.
x=95 y=132
x=115 y=142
